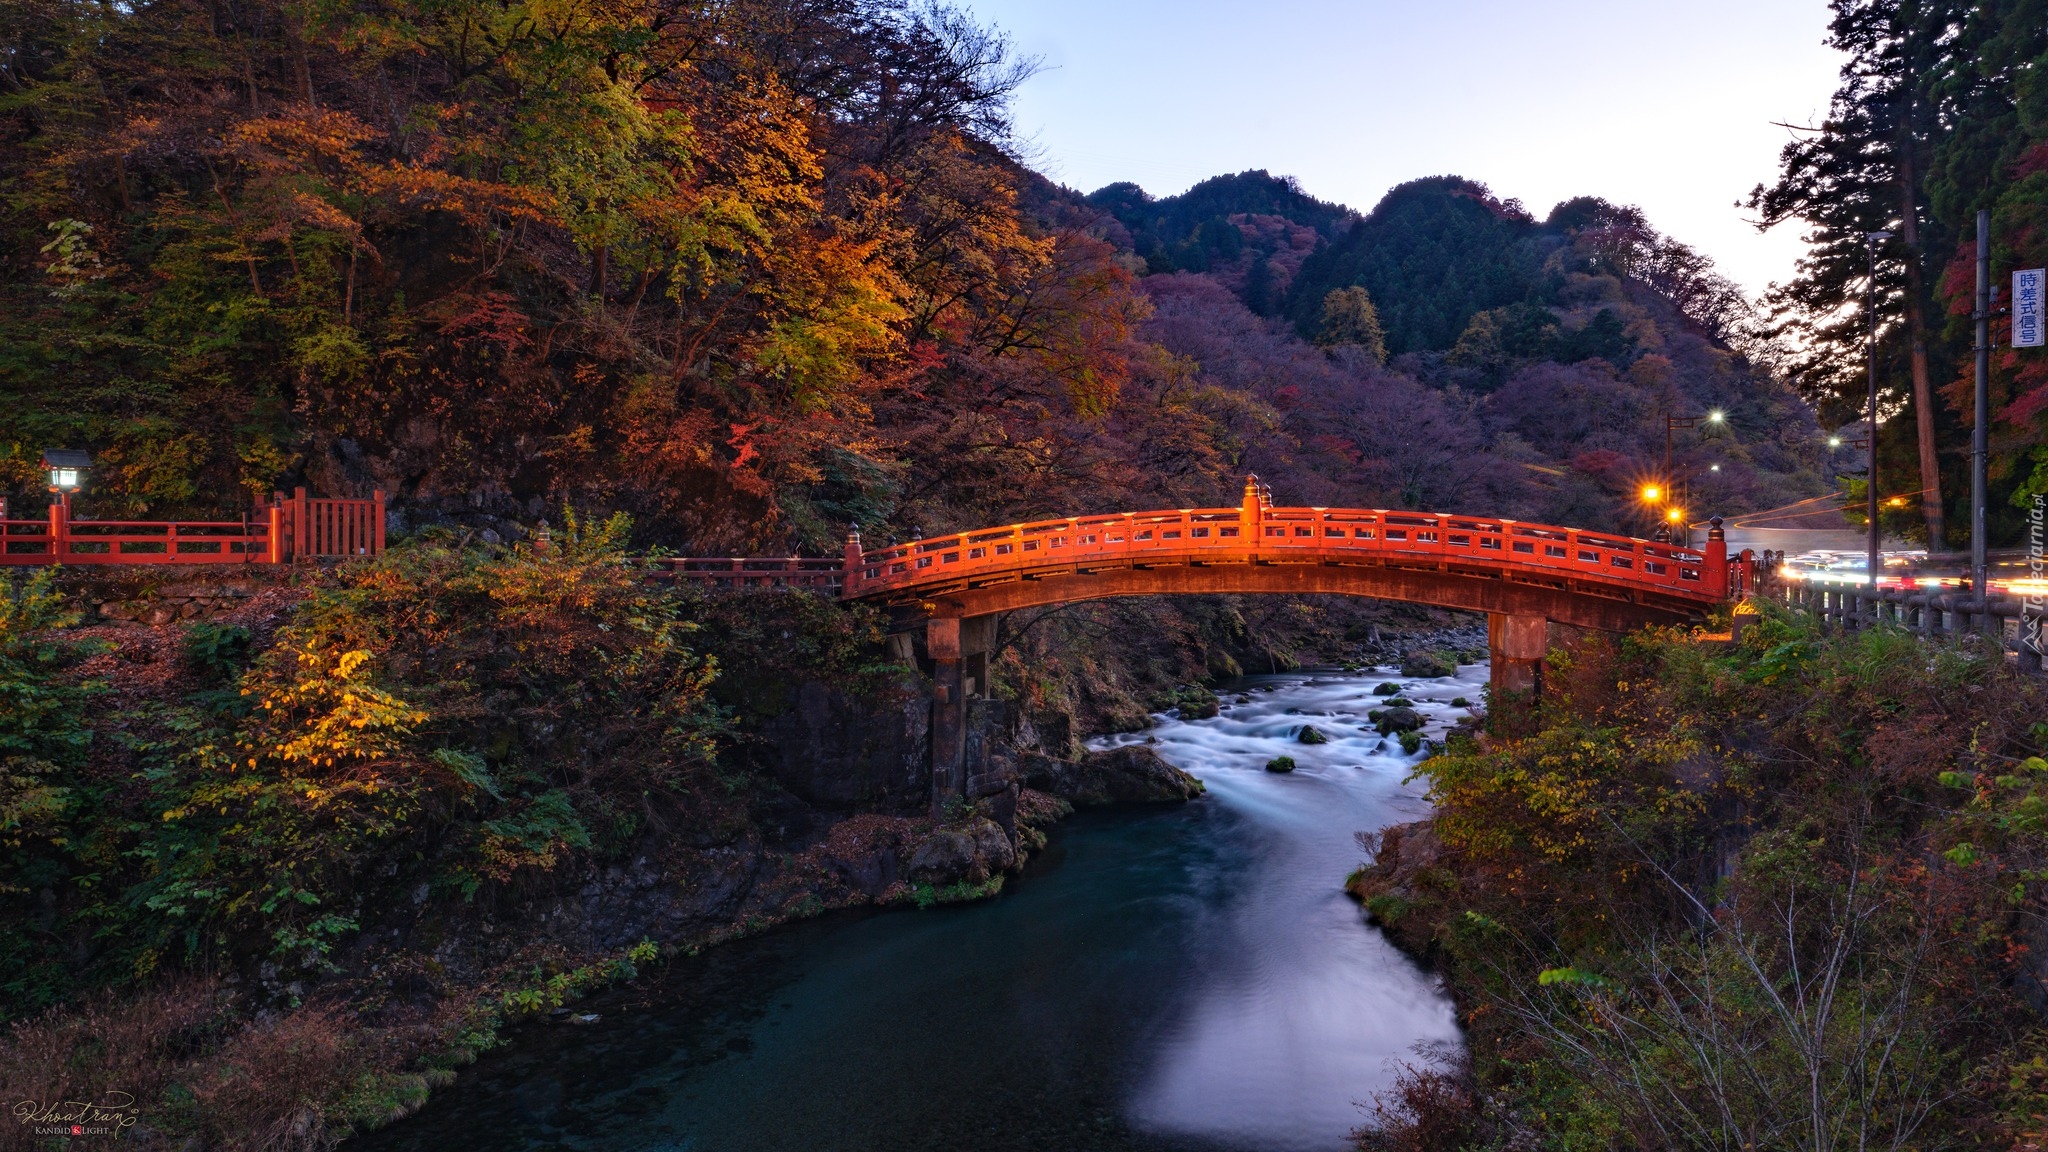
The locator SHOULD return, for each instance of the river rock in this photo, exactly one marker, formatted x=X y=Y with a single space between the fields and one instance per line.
x=1310 y=735
x=1406 y=859
x=972 y=852
x=1391 y=720
x=1428 y=663
x=1133 y=774
x=1280 y=764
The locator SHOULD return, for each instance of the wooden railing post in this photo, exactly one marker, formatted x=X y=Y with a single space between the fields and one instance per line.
x=377 y=529
x=1251 y=516
x=849 y=580
x=276 y=533
x=59 y=551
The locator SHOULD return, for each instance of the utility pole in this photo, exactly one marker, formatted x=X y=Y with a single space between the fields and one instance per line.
x=1870 y=242
x=1980 y=436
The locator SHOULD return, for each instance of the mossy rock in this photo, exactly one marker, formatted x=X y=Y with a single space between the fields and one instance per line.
x=1392 y=720
x=1400 y=702
x=1197 y=703
x=1280 y=764
x=1460 y=702
x=1429 y=664
x=1387 y=689
x=1411 y=742
x=1310 y=735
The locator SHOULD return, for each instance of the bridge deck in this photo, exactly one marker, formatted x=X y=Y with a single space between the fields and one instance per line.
x=1668 y=580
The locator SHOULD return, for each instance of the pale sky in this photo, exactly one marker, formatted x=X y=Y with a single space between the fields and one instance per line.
x=1658 y=103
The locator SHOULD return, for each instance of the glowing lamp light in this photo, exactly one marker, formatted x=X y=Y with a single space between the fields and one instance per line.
x=1834 y=441
x=1713 y=467
x=1675 y=515
x=67 y=467
x=1651 y=492
x=1716 y=416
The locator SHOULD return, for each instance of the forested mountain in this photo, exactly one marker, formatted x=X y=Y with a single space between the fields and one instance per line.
x=756 y=271
x=1543 y=355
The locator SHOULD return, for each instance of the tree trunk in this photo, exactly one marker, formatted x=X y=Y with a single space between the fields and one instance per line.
x=1916 y=330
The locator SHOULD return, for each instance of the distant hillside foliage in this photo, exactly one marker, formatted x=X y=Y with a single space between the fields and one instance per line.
x=758 y=272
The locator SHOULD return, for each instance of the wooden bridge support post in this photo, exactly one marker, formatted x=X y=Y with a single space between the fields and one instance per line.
x=959 y=650
x=1516 y=646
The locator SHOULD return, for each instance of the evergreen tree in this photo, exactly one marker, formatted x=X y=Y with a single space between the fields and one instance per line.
x=1258 y=286
x=1863 y=171
x=1432 y=253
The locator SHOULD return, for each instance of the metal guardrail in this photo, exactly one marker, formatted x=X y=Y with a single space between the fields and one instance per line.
x=2011 y=622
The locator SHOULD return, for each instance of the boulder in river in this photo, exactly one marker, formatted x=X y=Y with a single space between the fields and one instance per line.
x=1132 y=774
x=1391 y=720
x=1280 y=764
x=1387 y=689
x=1310 y=735
x=1428 y=663
x=1196 y=702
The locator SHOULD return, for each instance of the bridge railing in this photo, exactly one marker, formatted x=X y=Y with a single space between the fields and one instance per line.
x=1283 y=535
x=288 y=528
x=65 y=541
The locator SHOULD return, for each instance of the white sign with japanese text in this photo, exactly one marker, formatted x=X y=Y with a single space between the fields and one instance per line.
x=2027 y=329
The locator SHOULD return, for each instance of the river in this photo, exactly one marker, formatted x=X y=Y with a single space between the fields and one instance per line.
x=1187 y=977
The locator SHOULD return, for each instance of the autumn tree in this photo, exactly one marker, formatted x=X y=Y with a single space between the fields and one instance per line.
x=1350 y=319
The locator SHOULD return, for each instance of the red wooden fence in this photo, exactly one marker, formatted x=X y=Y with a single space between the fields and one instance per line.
x=288 y=528
x=331 y=528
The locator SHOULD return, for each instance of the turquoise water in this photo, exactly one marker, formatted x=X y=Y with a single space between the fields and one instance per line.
x=1160 y=978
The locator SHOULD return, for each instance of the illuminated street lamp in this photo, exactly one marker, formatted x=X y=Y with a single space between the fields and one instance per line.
x=1674 y=521
x=1714 y=418
x=1653 y=495
x=67 y=468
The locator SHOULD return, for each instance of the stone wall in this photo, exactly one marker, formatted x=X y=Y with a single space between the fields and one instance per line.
x=193 y=599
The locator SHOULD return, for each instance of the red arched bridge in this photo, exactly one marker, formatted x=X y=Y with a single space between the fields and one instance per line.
x=1524 y=576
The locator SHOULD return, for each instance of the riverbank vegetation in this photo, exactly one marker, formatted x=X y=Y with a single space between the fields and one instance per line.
x=1781 y=893
x=276 y=873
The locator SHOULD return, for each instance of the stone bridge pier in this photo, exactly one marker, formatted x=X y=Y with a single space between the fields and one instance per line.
x=1515 y=647
x=959 y=647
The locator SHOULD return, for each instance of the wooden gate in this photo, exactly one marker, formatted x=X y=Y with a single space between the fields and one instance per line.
x=316 y=528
